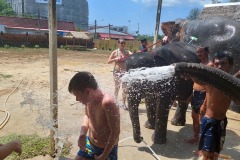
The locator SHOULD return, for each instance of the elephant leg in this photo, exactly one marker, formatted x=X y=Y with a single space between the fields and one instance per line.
x=179 y=118
x=159 y=135
x=133 y=103
x=151 y=111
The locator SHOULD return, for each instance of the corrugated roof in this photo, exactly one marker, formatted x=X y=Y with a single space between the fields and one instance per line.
x=115 y=36
x=30 y=23
x=106 y=30
x=82 y=35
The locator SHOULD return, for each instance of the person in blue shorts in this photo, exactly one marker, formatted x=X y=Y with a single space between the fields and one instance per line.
x=101 y=119
x=198 y=96
x=214 y=122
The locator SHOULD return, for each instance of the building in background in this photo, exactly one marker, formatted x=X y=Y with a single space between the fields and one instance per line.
x=67 y=10
x=18 y=25
x=229 y=10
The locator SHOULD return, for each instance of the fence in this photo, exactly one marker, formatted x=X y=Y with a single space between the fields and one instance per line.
x=43 y=41
x=110 y=45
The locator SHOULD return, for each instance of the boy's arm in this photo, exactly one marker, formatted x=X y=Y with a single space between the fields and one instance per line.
x=203 y=107
x=7 y=149
x=113 y=118
x=237 y=74
x=83 y=131
x=112 y=58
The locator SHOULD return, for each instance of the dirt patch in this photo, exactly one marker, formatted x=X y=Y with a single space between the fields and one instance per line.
x=29 y=104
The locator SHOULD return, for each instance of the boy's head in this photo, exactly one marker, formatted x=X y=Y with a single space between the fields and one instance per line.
x=81 y=86
x=202 y=52
x=144 y=41
x=81 y=81
x=223 y=60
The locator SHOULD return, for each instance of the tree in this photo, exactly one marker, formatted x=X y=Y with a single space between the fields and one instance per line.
x=5 y=9
x=234 y=0
x=193 y=14
x=215 y=1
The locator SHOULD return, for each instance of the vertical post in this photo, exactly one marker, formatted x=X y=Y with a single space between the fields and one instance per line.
x=157 y=22
x=109 y=31
x=52 y=25
x=95 y=29
x=138 y=28
x=23 y=8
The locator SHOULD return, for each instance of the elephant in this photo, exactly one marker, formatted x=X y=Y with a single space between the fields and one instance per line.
x=157 y=97
x=218 y=33
x=221 y=80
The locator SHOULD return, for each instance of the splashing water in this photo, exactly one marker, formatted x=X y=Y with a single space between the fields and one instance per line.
x=150 y=74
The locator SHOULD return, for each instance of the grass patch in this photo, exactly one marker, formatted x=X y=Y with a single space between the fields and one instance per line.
x=33 y=146
x=5 y=76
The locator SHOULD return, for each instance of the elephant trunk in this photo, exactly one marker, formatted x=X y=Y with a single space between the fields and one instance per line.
x=225 y=82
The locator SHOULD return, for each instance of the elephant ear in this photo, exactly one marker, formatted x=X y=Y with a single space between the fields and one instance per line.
x=160 y=61
x=224 y=81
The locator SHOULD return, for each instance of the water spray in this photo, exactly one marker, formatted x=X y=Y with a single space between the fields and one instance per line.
x=154 y=154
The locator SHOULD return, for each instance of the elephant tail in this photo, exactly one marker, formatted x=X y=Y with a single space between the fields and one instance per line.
x=225 y=82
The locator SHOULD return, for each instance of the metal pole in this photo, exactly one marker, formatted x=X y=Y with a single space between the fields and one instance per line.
x=157 y=22
x=52 y=25
x=95 y=29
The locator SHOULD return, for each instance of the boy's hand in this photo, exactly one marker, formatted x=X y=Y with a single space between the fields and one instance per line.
x=82 y=142
x=99 y=157
x=17 y=146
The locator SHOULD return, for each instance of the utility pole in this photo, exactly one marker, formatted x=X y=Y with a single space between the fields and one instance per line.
x=22 y=7
x=157 y=22
x=129 y=26
x=52 y=26
x=109 y=31
x=138 y=28
x=95 y=29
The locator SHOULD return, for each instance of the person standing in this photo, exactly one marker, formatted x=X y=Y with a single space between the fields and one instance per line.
x=143 y=46
x=117 y=57
x=214 y=122
x=101 y=119
x=198 y=97
x=10 y=147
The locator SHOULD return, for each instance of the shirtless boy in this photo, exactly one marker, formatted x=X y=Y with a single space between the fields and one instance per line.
x=10 y=147
x=198 y=97
x=101 y=119
x=214 y=122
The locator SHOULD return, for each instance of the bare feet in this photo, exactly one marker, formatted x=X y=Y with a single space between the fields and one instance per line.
x=191 y=141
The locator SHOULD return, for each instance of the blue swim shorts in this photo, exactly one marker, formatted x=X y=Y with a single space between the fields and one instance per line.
x=212 y=134
x=92 y=150
x=197 y=100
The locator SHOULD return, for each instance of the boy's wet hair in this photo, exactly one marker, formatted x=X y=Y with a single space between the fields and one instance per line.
x=223 y=54
x=81 y=81
x=206 y=48
x=143 y=40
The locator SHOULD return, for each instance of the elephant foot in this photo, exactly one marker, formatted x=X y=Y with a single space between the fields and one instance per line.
x=138 y=139
x=148 y=125
x=177 y=122
x=158 y=139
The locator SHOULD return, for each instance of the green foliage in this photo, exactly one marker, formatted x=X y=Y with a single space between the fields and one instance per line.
x=149 y=38
x=4 y=76
x=193 y=14
x=215 y=1
x=33 y=146
x=5 y=9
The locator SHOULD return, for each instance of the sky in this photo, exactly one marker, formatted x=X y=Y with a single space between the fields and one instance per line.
x=140 y=13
